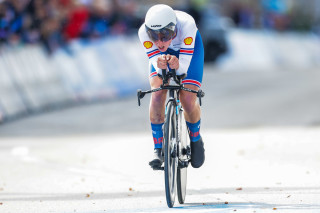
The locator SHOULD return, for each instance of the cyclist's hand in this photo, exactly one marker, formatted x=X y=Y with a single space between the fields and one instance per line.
x=173 y=62
x=162 y=62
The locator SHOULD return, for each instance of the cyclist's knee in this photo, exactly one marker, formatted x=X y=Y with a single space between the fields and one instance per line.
x=188 y=103
x=160 y=96
x=188 y=99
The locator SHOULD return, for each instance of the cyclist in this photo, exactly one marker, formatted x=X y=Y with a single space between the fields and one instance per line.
x=172 y=41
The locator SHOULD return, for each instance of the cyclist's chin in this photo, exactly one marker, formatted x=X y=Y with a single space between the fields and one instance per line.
x=162 y=48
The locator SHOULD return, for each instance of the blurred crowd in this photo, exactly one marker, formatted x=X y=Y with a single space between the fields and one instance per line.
x=55 y=22
x=280 y=15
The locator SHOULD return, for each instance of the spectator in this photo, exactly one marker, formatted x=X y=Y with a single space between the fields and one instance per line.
x=53 y=22
x=100 y=19
x=77 y=19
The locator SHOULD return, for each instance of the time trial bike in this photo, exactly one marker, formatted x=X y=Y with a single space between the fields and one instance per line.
x=176 y=148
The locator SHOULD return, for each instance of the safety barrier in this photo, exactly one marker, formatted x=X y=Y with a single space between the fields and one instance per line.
x=266 y=50
x=32 y=81
x=11 y=102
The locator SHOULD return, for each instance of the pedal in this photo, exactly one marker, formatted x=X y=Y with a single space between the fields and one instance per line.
x=186 y=151
x=160 y=168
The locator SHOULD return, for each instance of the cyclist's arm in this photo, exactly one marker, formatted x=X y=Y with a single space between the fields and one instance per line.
x=187 y=47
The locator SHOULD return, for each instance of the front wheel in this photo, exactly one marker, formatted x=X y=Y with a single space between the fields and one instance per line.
x=170 y=154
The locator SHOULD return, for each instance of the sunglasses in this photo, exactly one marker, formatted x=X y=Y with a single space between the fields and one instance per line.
x=164 y=34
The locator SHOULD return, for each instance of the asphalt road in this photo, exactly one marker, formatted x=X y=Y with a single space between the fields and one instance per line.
x=261 y=132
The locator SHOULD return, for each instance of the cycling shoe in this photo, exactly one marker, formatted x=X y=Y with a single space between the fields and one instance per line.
x=157 y=159
x=197 y=153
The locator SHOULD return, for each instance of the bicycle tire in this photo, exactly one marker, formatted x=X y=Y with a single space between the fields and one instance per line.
x=170 y=162
x=182 y=172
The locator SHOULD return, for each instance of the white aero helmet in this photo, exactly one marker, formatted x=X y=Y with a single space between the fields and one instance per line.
x=161 y=22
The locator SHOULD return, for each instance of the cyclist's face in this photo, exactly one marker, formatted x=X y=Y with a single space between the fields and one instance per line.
x=163 y=45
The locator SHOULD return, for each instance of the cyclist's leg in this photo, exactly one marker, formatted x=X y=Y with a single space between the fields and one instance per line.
x=157 y=101
x=192 y=112
x=190 y=104
x=193 y=81
x=157 y=113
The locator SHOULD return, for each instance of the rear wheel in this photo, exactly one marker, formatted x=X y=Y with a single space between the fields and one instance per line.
x=183 y=147
x=170 y=154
